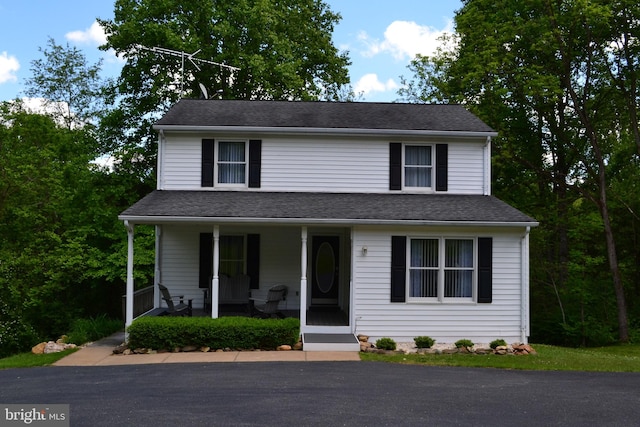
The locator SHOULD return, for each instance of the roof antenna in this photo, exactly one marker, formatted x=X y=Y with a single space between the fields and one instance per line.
x=191 y=57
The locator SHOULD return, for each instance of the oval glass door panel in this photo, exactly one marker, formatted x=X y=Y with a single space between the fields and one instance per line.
x=325 y=267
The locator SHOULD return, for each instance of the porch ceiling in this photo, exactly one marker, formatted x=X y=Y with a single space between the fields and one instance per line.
x=329 y=208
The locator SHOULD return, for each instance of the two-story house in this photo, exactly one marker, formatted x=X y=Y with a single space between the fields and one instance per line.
x=378 y=217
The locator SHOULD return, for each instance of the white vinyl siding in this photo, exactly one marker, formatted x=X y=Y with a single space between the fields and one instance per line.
x=444 y=321
x=325 y=165
x=319 y=164
x=466 y=168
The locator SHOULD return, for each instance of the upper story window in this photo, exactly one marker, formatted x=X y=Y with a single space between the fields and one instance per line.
x=232 y=162
x=418 y=166
x=229 y=163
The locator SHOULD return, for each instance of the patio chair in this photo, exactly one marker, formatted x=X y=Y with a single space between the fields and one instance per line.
x=269 y=307
x=173 y=309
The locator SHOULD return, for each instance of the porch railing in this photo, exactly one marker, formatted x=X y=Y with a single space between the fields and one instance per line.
x=142 y=302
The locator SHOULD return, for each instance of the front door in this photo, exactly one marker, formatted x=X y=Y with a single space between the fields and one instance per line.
x=325 y=283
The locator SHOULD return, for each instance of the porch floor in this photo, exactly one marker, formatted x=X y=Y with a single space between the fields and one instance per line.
x=314 y=317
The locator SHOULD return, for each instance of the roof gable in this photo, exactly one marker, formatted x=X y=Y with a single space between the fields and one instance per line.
x=322 y=115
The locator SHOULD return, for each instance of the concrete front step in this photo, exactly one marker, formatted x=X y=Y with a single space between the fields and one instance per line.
x=330 y=342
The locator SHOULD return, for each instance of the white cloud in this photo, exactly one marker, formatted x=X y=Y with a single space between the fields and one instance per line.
x=370 y=83
x=9 y=65
x=405 y=39
x=92 y=35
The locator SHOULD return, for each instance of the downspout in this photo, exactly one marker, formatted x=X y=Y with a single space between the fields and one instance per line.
x=524 y=279
x=487 y=167
x=129 y=299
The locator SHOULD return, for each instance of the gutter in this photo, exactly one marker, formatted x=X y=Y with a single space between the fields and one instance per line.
x=321 y=131
x=139 y=219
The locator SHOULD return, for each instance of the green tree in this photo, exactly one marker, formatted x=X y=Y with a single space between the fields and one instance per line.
x=558 y=80
x=70 y=88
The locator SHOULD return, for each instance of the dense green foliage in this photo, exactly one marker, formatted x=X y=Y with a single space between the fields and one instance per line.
x=559 y=82
x=88 y=330
x=238 y=333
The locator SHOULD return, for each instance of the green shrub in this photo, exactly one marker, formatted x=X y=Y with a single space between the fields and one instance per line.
x=240 y=333
x=497 y=343
x=424 y=342
x=386 y=344
x=464 y=343
x=16 y=335
x=93 y=329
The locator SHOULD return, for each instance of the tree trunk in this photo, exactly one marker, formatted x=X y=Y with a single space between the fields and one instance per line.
x=623 y=321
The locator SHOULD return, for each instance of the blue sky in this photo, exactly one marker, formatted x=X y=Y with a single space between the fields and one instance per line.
x=381 y=36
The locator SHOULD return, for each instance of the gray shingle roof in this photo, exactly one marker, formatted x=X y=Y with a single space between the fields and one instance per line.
x=323 y=207
x=322 y=115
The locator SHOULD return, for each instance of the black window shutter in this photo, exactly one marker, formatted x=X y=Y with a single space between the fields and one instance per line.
x=442 y=166
x=206 y=259
x=485 y=269
x=208 y=160
x=398 y=268
x=255 y=162
x=253 y=260
x=395 y=166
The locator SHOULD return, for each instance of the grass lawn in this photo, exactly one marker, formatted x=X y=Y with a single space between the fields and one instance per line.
x=619 y=358
x=30 y=360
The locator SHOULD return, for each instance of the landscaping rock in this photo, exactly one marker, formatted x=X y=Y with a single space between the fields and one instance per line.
x=365 y=346
x=120 y=349
x=39 y=348
x=284 y=347
x=205 y=349
x=189 y=348
x=52 y=347
x=363 y=338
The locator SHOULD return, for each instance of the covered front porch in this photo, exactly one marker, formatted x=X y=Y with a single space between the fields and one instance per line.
x=224 y=267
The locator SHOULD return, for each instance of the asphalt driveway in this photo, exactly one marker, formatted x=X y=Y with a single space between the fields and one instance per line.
x=326 y=394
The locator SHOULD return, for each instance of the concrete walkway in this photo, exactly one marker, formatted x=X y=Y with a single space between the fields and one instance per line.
x=100 y=353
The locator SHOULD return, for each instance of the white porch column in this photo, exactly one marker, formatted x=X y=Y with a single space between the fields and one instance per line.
x=303 y=278
x=129 y=300
x=215 y=284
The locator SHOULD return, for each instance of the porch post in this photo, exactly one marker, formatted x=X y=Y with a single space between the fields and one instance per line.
x=215 y=284
x=129 y=300
x=303 y=278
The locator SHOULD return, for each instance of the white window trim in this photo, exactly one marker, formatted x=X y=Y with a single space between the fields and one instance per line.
x=430 y=189
x=219 y=184
x=441 y=299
